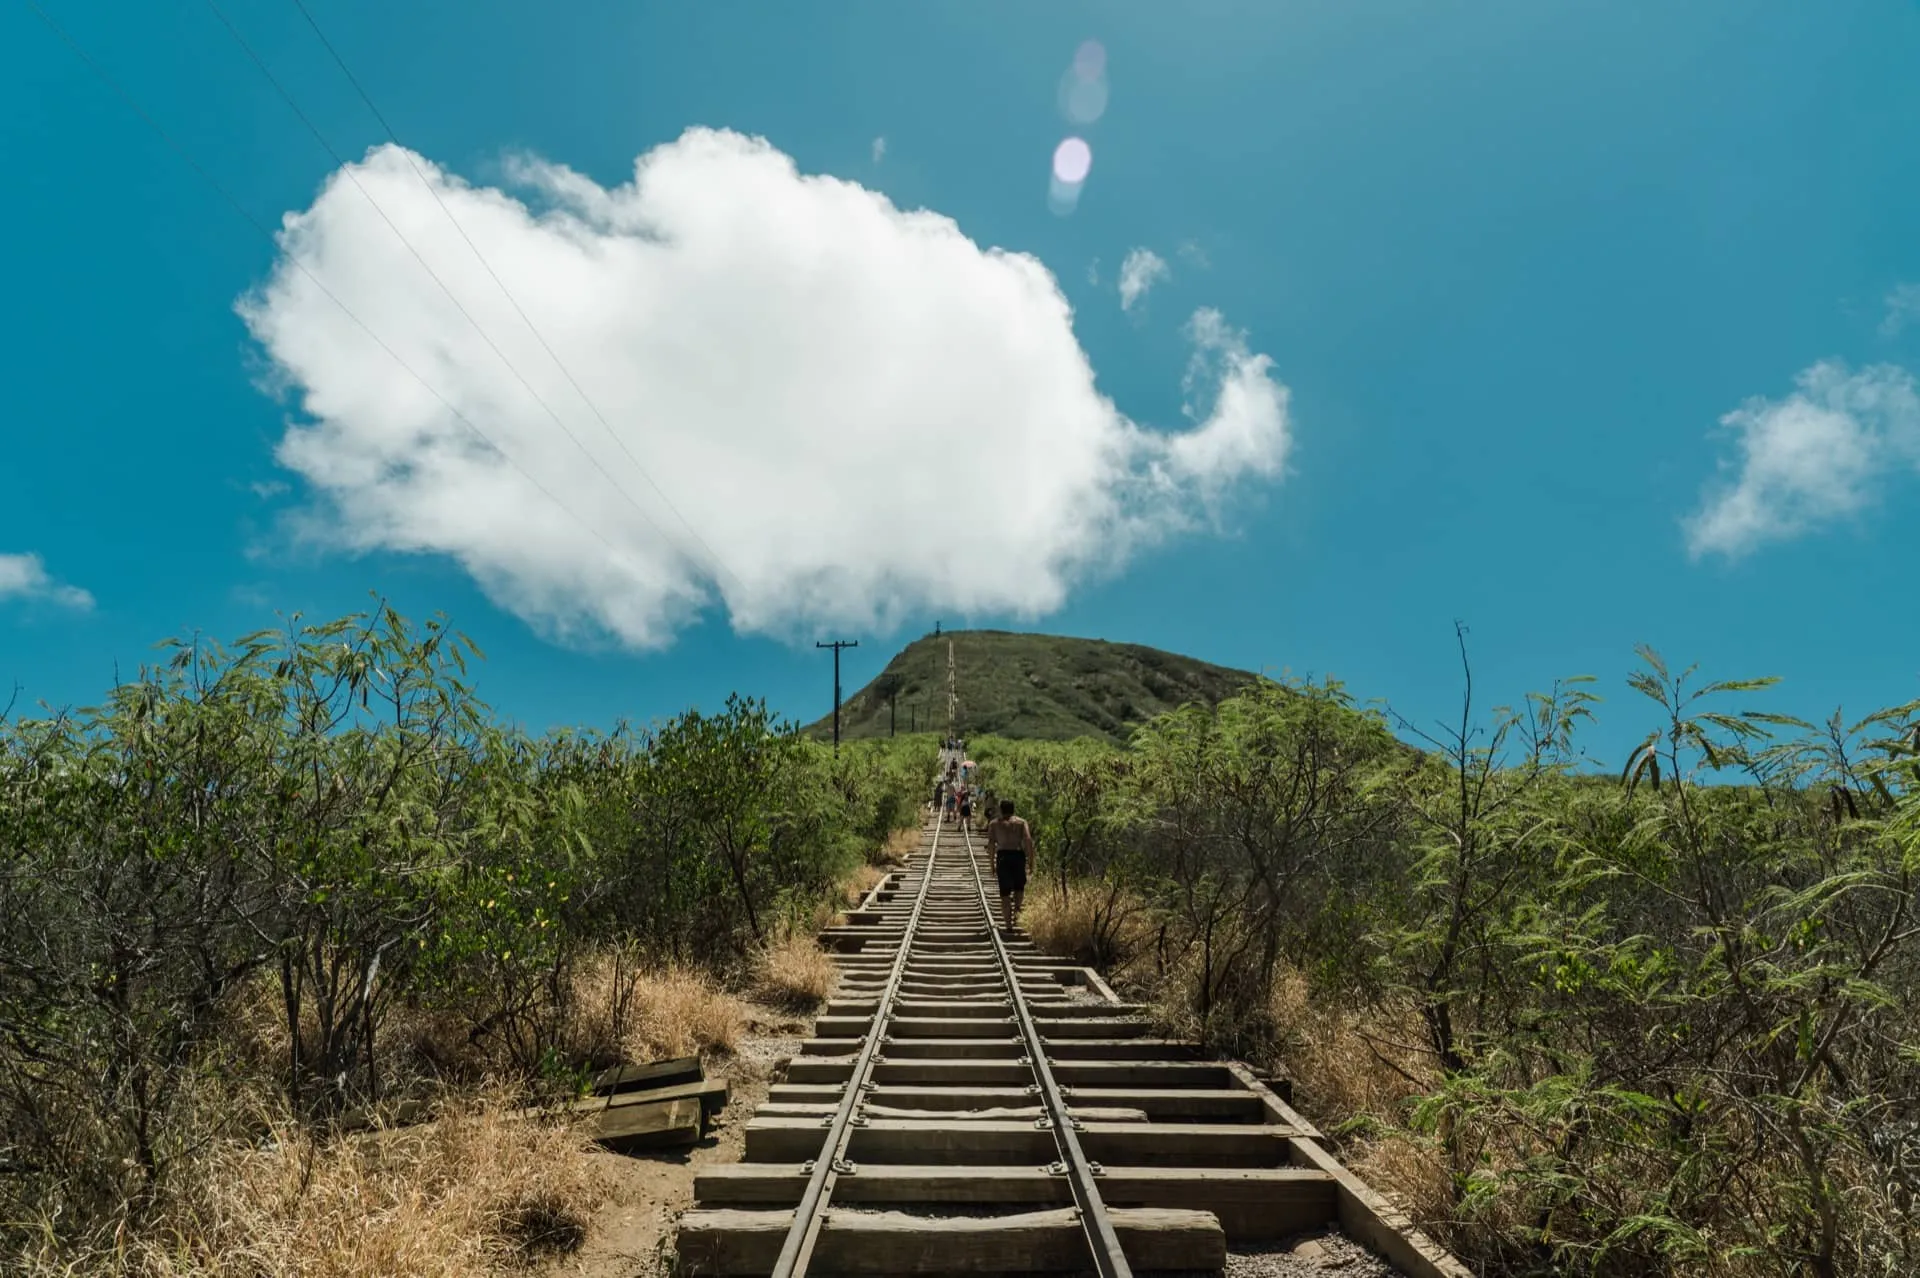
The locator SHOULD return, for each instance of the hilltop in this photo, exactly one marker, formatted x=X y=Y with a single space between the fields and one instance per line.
x=1051 y=687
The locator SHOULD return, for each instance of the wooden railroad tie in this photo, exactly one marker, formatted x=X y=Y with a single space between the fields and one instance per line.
x=950 y=1154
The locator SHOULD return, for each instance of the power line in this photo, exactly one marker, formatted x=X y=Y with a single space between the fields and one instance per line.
x=186 y=157
x=346 y=168
x=506 y=292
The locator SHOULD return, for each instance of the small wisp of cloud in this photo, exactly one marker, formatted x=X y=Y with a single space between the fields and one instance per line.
x=1140 y=270
x=879 y=149
x=25 y=577
x=1230 y=388
x=1809 y=460
x=1903 y=308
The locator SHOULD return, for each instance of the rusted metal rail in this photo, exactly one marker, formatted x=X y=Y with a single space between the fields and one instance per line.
x=1103 y=1244
x=970 y=1105
x=797 y=1251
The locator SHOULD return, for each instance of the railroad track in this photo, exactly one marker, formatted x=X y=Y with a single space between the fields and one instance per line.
x=969 y=1105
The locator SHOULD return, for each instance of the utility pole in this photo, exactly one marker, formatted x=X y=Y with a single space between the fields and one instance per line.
x=953 y=695
x=837 y=645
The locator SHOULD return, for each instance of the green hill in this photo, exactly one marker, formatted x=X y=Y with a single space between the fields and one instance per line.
x=1025 y=685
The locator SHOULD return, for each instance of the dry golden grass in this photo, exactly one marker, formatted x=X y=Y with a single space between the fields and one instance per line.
x=1367 y=1068
x=472 y=1192
x=1410 y=1170
x=1070 y=925
x=679 y=1012
x=1347 y=1064
x=899 y=846
x=795 y=973
x=864 y=880
x=462 y=1197
x=625 y=1009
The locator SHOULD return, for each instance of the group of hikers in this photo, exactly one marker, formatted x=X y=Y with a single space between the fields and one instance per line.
x=1008 y=836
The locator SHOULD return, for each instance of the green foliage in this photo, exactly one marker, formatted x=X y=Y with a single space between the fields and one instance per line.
x=324 y=826
x=1668 y=1024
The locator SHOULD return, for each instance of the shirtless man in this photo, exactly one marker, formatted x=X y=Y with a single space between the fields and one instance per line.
x=1012 y=842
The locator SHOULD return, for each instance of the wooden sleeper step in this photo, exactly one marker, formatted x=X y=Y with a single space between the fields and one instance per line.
x=774 y=1139
x=1252 y=1203
x=726 y=1241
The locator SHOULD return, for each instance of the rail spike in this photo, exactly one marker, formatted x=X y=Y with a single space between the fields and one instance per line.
x=954 y=1041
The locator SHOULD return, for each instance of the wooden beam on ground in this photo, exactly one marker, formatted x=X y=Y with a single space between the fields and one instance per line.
x=1212 y=1104
x=627 y=1078
x=993 y=1113
x=1252 y=1203
x=775 y=1139
x=710 y=1092
x=724 y=1241
x=1370 y=1220
x=1002 y=1073
x=1276 y=1109
x=659 y=1125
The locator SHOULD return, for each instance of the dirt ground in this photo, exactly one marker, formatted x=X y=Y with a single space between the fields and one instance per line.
x=646 y=1193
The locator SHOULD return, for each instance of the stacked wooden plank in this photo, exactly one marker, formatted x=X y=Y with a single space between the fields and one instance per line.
x=661 y=1105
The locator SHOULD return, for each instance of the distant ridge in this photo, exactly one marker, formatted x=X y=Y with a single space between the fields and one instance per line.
x=1048 y=687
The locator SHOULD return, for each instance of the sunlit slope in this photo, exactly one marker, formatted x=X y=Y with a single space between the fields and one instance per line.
x=1026 y=685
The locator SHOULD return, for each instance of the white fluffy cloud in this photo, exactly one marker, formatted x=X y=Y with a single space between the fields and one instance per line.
x=862 y=412
x=25 y=577
x=1815 y=457
x=1140 y=270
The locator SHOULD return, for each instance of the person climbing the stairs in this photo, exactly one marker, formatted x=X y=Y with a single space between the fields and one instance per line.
x=1011 y=839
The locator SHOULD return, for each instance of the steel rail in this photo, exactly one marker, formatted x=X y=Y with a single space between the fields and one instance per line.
x=797 y=1251
x=1104 y=1244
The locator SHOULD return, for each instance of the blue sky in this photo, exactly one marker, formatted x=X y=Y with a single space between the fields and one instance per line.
x=1587 y=324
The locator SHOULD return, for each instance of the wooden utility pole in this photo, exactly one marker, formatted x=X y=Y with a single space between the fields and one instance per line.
x=953 y=696
x=888 y=687
x=837 y=645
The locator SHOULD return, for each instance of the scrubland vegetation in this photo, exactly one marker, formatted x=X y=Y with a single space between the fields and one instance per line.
x=1662 y=1022
x=261 y=889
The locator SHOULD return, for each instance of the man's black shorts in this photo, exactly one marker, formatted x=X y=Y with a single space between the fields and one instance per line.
x=1011 y=869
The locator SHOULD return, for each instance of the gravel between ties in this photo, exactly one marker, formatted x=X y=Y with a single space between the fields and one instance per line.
x=1321 y=1256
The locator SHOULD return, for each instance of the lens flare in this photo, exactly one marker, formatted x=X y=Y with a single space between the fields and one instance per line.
x=1089 y=60
x=1083 y=101
x=1063 y=197
x=1072 y=161
x=1083 y=87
